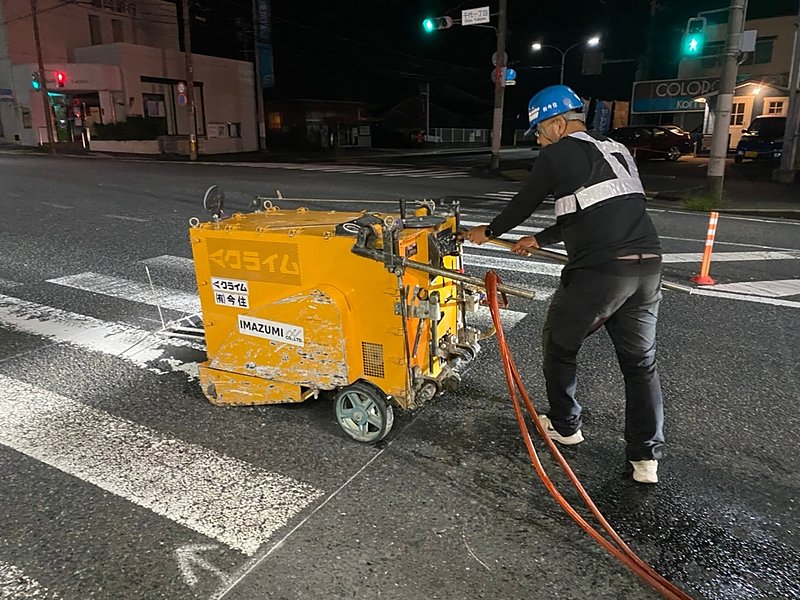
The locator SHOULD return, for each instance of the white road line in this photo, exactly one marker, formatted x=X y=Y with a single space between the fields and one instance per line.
x=522 y=228
x=772 y=289
x=116 y=287
x=482 y=317
x=172 y=263
x=7 y=285
x=213 y=494
x=127 y=218
x=718 y=243
x=700 y=291
x=503 y=195
x=15 y=585
x=134 y=345
x=730 y=256
x=61 y=206
x=510 y=264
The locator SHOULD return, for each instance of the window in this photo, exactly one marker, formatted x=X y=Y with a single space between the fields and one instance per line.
x=763 y=52
x=116 y=28
x=94 y=30
x=275 y=121
x=737 y=114
x=774 y=106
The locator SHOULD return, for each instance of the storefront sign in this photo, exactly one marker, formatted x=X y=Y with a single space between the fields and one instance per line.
x=671 y=95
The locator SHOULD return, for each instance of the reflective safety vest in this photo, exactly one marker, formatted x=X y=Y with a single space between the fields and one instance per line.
x=626 y=181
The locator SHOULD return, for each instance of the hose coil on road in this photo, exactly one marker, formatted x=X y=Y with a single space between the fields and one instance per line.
x=615 y=546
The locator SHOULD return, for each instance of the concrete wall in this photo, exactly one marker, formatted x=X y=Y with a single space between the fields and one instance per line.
x=127 y=147
x=63 y=26
x=227 y=87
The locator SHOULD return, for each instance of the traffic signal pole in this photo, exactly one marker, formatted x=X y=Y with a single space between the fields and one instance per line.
x=51 y=146
x=715 y=178
x=187 y=52
x=787 y=170
x=499 y=86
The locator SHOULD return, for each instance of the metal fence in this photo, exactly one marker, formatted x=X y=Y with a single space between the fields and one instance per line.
x=444 y=135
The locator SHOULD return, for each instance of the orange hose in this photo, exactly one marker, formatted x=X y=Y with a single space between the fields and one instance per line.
x=616 y=546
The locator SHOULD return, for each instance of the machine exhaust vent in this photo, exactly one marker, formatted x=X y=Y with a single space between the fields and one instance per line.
x=373 y=359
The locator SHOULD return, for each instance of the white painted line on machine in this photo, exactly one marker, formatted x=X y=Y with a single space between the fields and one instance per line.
x=213 y=494
x=116 y=287
x=127 y=218
x=771 y=289
x=142 y=348
x=15 y=585
x=61 y=206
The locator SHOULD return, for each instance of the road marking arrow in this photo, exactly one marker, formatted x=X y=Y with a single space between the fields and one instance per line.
x=189 y=557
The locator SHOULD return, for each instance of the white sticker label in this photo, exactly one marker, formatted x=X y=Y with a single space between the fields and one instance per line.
x=272 y=330
x=230 y=292
x=236 y=286
x=228 y=299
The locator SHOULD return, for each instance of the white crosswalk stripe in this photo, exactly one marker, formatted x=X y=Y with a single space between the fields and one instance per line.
x=504 y=195
x=134 y=291
x=773 y=289
x=432 y=172
x=137 y=346
x=175 y=479
x=15 y=585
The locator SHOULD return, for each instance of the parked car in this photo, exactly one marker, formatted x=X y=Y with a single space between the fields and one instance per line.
x=762 y=140
x=654 y=141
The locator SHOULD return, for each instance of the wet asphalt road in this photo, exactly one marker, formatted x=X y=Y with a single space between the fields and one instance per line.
x=449 y=505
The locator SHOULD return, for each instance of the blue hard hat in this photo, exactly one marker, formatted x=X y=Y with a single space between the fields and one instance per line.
x=551 y=102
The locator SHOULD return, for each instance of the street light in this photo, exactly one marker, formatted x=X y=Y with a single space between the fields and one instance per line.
x=591 y=42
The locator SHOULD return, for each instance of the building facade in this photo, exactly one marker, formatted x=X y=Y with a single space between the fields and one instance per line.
x=106 y=61
x=761 y=88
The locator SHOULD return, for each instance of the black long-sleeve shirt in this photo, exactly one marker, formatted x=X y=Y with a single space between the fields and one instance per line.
x=601 y=233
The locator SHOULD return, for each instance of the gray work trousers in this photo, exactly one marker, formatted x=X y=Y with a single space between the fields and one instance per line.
x=624 y=296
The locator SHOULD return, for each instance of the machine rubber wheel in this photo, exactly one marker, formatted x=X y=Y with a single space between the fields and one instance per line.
x=673 y=154
x=363 y=412
x=737 y=159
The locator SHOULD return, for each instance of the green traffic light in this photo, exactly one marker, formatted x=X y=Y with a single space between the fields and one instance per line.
x=693 y=45
x=428 y=25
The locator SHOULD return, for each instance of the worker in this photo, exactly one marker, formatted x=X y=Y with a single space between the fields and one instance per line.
x=612 y=277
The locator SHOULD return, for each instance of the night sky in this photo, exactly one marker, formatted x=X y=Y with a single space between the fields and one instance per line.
x=376 y=51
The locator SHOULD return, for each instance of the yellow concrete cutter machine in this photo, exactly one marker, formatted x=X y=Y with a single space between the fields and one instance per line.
x=370 y=306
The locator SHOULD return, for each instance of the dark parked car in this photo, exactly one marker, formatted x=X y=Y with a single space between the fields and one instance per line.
x=762 y=140
x=654 y=141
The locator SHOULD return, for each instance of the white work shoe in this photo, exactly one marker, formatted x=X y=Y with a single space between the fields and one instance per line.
x=645 y=471
x=567 y=440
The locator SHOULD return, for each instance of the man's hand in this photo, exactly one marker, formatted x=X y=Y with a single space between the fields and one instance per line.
x=477 y=235
x=525 y=246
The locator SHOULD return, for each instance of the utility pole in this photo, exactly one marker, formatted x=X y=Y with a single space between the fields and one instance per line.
x=786 y=172
x=187 y=52
x=715 y=178
x=51 y=146
x=262 y=127
x=499 y=85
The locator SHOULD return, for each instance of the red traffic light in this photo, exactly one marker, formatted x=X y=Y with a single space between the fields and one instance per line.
x=61 y=78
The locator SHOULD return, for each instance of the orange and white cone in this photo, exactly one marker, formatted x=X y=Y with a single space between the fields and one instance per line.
x=704 y=278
